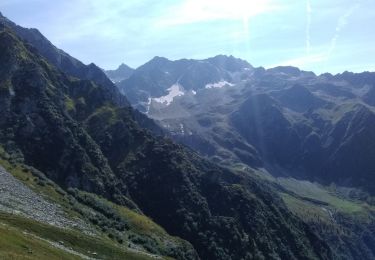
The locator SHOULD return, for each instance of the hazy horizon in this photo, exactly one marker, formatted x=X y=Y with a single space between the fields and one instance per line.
x=312 y=35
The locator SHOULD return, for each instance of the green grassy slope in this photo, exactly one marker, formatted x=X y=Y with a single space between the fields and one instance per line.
x=22 y=238
x=139 y=234
x=338 y=215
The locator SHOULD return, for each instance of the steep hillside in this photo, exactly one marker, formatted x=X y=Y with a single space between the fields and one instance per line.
x=40 y=220
x=58 y=57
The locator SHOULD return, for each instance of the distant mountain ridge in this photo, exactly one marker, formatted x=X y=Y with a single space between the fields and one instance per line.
x=280 y=117
x=156 y=77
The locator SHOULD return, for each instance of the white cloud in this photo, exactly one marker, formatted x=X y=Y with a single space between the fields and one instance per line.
x=341 y=23
x=303 y=33
x=322 y=54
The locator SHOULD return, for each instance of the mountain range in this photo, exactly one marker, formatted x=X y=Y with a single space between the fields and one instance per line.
x=287 y=121
x=119 y=187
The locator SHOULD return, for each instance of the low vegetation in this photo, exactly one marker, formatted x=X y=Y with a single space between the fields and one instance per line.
x=24 y=238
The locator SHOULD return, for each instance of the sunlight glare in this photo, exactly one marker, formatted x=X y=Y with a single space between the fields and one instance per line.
x=193 y=11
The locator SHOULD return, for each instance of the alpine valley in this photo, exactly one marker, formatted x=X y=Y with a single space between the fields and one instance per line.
x=189 y=159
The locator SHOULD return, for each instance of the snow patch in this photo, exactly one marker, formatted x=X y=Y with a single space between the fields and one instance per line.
x=194 y=92
x=175 y=91
x=219 y=84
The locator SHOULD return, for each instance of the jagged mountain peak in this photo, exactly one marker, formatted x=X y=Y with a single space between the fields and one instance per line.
x=121 y=73
x=293 y=71
x=6 y=22
x=357 y=79
x=123 y=66
x=224 y=61
x=159 y=59
x=64 y=61
x=230 y=63
x=157 y=76
x=286 y=69
x=154 y=63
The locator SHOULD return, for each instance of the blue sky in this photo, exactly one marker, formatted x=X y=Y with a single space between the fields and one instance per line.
x=317 y=35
